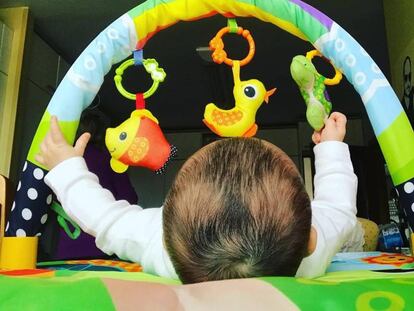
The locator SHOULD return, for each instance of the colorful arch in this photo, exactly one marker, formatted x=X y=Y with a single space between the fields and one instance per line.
x=136 y=27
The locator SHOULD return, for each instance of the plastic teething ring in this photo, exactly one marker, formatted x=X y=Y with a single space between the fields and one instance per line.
x=217 y=45
x=338 y=75
x=151 y=66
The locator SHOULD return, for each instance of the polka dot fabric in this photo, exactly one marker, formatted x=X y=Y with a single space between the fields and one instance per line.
x=406 y=195
x=32 y=201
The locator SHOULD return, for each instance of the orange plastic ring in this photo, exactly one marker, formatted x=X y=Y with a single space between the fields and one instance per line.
x=217 y=46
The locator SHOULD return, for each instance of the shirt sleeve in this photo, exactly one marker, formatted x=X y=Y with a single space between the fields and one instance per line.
x=334 y=205
x=129 y=231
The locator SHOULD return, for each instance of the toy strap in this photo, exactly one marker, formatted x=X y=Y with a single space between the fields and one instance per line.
x=139 y=101
x=138 y=57
x=232 y=24
x=236 y=71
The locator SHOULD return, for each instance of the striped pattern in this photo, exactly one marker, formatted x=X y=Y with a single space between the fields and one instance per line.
x=153 y=16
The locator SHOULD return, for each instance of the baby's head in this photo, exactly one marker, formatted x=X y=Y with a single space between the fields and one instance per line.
x=237 y=209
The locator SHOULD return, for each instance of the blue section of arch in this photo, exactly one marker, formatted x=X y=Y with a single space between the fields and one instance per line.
x=347 y=55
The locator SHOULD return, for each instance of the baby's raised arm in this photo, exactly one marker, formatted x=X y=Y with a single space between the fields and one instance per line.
x=126 y=230
x=334 y=204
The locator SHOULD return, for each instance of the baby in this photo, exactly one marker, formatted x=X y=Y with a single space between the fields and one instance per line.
x=236 y=209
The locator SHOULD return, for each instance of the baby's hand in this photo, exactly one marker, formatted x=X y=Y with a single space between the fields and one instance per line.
x=335 y=129
x=55 y=149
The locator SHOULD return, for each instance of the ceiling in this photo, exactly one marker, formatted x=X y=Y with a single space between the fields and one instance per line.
x=68 y=26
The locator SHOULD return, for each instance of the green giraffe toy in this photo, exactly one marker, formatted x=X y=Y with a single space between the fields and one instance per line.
x=312 y=87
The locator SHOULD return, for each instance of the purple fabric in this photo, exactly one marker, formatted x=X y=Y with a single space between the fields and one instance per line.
x=325 y=20
x=84 y=246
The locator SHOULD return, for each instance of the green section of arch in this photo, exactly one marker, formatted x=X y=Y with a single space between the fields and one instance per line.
x=68 y=128
x=403 y=174
x=397 y=144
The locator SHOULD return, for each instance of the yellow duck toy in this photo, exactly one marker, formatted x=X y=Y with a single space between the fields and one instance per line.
x=240 y=120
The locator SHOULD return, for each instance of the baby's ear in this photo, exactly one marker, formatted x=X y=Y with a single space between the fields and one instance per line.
x=313 y=237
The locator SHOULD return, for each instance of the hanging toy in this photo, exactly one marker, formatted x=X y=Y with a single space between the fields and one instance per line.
x=312 y=87
x=139 y=141
x=249 y=95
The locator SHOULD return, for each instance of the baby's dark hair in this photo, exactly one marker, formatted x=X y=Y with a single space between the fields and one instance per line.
x=237 y=209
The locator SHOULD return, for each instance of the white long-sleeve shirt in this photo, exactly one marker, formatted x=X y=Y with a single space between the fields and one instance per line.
x=333 y=208
x=136 y=234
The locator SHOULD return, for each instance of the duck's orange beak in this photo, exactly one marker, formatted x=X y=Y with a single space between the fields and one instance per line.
x=268 y=94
